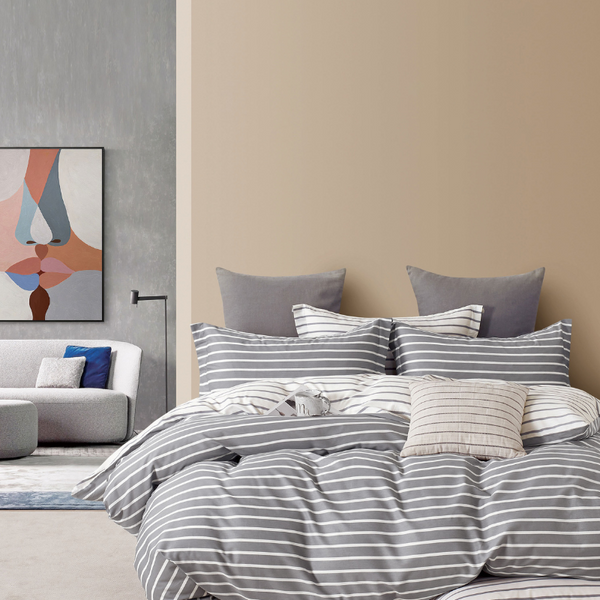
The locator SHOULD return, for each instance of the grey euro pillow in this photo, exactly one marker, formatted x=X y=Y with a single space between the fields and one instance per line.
x=510 y=303
x=60 y=372
x=227 y=357
x=538 y=358
x=263 y=305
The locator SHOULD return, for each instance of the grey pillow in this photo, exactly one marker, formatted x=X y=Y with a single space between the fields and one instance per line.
x=60 y=372
x=257 y=304
x=227 y=357
x=509 y=303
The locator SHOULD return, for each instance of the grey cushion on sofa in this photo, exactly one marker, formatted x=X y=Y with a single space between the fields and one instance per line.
x=257 y=304
x=509 y=303
x=60 y=372
x=20 y=362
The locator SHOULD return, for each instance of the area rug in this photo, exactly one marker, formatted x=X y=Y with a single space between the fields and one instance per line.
x=45 y=501
x=44 y=480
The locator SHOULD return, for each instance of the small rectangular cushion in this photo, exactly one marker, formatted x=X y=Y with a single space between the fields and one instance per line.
x=227 y=358
x=539 y=358
x=510 y=303
x=60 y=372
x=263 y=305
x=316 y=322
x=465 y=417
x=97 y=365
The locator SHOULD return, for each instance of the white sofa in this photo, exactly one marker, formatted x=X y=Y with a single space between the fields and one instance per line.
x=83 y=415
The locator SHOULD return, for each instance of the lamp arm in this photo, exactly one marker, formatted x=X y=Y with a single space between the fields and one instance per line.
x=152 y=298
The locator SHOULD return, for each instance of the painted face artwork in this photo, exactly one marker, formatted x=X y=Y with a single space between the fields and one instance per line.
x=51 y=234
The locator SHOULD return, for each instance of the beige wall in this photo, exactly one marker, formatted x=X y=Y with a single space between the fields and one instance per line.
x=460 y=136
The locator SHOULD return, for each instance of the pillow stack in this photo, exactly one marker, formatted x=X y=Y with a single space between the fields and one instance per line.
x=79 y=367
x=312 y=322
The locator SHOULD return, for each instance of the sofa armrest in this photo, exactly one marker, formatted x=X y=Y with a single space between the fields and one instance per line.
x=124 y=376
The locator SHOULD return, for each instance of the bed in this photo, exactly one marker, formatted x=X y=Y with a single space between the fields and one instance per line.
x=400 y=491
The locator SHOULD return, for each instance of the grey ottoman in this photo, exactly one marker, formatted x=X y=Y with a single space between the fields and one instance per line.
x=18 y=428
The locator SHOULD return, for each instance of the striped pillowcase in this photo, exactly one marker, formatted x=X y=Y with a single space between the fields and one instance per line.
x=538 y=358
x=348 y=394
x=314 y=322
x=227 y=357
x=556 y=414
x=466 y=417
x=525 y=588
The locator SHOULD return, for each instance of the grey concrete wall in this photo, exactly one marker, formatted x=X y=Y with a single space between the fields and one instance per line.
x=102 y=73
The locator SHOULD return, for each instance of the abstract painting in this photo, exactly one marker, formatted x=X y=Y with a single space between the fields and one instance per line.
x=51 y=214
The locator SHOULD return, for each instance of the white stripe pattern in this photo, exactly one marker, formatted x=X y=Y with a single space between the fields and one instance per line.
x=552 y=413
x=539 y=358
x=526 y=588
x=314 y=322
x=227 y=358
x=326 y=508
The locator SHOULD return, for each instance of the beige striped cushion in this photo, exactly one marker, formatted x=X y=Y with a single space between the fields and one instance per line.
x=466 y=417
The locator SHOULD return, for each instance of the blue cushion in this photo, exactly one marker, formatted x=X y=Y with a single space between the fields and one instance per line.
x=97 y=364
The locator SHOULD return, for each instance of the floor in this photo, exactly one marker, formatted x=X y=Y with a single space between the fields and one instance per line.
x=62 y=554
x=65 y=555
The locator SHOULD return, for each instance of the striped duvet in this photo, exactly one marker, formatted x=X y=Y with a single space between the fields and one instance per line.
x=268 y=508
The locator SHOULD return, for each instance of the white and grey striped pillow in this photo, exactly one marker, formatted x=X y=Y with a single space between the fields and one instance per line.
x=227 y=357
x=556 y=414
x=349 y=394
x=314 y=322
x=466 y=417
x=553 y=413
x=538 y=358
x=525 y=588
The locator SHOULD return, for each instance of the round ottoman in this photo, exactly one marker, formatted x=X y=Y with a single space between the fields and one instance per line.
x=18 y=428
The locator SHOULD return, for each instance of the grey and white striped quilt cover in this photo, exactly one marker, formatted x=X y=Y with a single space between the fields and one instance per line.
x=265 y=508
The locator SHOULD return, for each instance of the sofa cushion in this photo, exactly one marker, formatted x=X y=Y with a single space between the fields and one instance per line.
x=97 y=364
x=84 y=415
x=60 y=372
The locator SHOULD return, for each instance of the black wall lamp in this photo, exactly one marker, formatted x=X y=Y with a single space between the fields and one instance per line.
x=135 y=298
